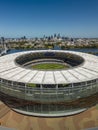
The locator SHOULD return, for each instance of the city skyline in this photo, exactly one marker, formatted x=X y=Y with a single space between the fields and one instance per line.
x=36 y=18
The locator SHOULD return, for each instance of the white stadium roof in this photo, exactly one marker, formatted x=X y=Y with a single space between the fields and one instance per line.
x=9 y=70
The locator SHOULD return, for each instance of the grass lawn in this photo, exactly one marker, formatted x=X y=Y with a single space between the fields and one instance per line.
x=96 y=106
x=50 y=66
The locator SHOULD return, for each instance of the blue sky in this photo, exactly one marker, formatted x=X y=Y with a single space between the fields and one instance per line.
x=73 y=18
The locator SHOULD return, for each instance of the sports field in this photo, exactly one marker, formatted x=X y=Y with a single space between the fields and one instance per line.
x=50 y=66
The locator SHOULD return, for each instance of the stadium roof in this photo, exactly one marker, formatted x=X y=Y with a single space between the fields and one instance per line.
x=9 y=70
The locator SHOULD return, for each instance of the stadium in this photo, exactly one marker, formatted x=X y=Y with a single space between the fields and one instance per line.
x=68 y=87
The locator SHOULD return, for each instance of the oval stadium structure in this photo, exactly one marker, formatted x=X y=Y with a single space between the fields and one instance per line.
x=53 y=92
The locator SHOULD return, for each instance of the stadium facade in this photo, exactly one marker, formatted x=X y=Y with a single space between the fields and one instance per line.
x=49 y=93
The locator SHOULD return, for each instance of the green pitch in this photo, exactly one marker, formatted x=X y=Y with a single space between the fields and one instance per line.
x=50 y=66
